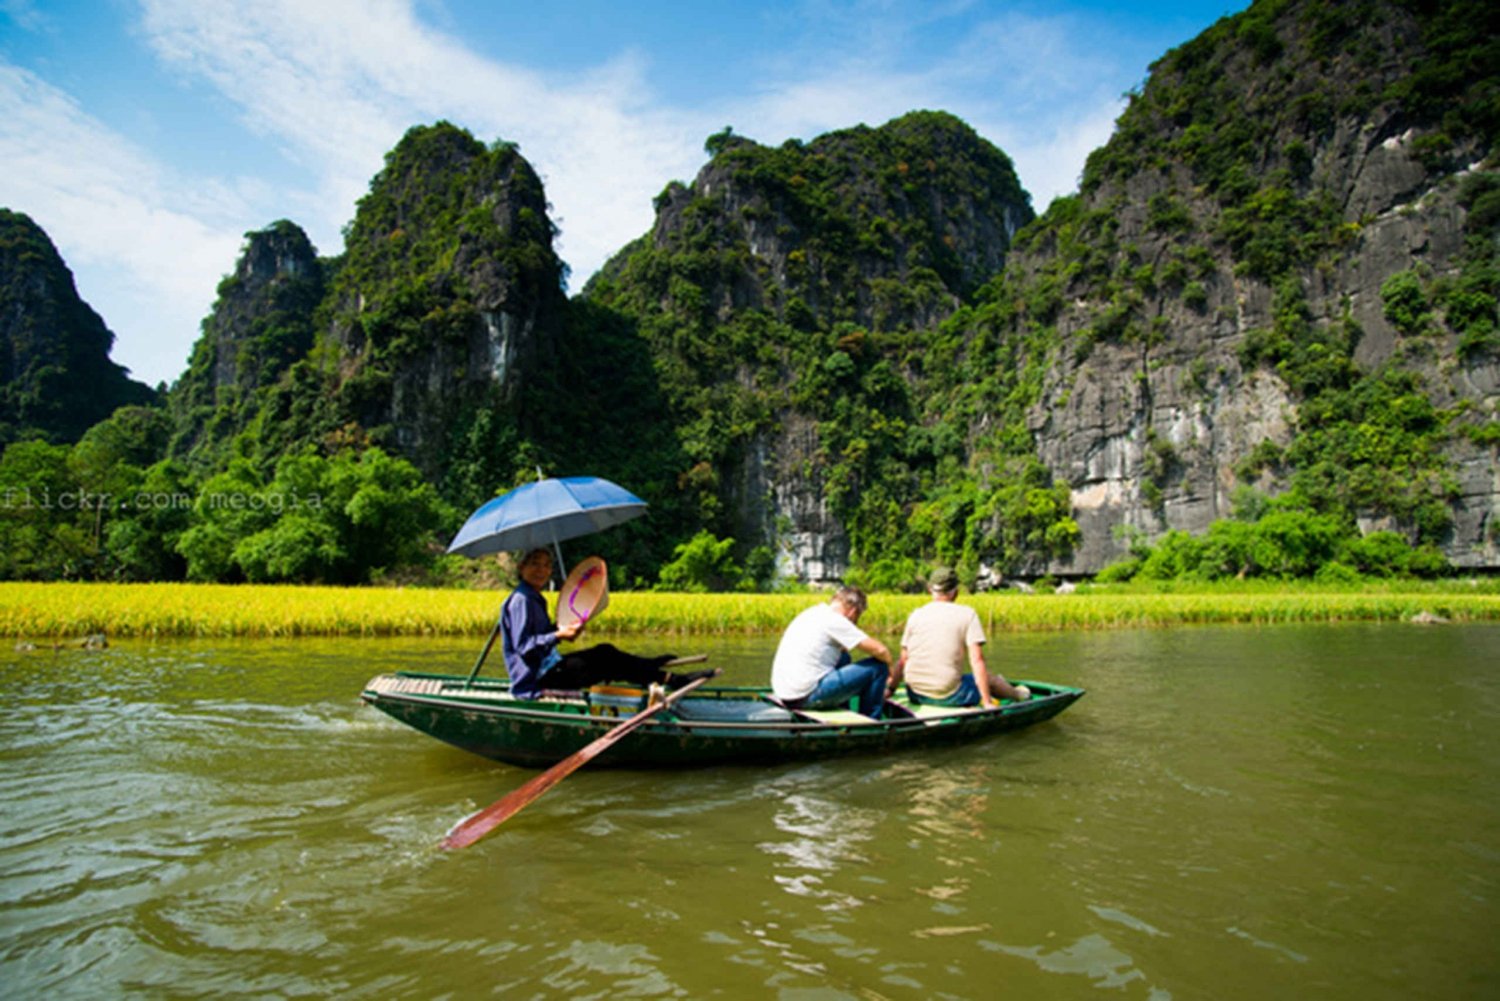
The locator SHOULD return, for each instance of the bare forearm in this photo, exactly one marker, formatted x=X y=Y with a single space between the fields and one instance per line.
x=982 y=681
x=898 y=671
x=876 y=649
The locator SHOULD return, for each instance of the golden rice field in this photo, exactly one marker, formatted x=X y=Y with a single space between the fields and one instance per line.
x=56 y=612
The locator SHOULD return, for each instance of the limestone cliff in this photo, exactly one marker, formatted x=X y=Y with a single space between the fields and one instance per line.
x=448 y=294
x=56 y=377
x=885 y=227
x=780 y=291
x=1277 y=285
x=1276 y=186
x=262 y=323
x=425 y=336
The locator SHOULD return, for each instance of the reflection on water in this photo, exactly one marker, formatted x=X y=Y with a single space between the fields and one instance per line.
x=1231 y=813
x=821 y=836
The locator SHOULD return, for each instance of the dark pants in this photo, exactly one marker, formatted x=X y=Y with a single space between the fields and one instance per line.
x=602 y=663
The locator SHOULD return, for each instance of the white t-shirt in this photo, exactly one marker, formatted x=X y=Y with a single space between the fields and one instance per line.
x=810 y=648
x=936 y=642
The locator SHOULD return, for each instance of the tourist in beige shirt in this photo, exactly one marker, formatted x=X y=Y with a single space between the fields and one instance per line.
x=939 y=637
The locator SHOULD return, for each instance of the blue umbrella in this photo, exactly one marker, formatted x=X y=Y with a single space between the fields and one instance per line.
x=545 y=513
x=541 y=514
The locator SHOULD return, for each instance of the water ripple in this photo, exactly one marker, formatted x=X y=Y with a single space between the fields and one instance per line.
x=227 y=820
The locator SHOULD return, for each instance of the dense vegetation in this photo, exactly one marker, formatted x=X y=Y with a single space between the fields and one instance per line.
x=823 y=287
x=56 y=379
x=96 y=510
x=872 y=319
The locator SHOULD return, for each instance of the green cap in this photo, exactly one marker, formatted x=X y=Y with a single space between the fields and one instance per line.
x=942 y=579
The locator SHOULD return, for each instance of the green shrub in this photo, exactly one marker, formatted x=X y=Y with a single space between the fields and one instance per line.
x=702 y=564
x=1337 y=573
x=898 y=575
x=1405 y=303
x=1119 y=572
x=1379 y=554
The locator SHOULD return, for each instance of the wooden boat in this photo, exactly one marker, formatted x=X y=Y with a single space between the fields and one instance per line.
x=709 y=726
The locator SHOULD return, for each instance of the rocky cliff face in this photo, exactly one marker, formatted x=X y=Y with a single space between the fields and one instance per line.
x=56 y=379
x=261 y=324
x=782 y=281
x=448 y=295
x=887 y=228
x=1278 y=276
x=1273 y=177
x=422 y=337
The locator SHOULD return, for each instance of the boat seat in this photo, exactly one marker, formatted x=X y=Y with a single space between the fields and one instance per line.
x=838 y=717
x=731 y=711
x=834 y=717
x=927 y=711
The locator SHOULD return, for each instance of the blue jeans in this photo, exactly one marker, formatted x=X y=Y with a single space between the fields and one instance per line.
x=967 y=695
x=863 y=679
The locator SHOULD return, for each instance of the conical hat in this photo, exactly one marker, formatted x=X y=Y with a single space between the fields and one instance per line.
x=584 y=594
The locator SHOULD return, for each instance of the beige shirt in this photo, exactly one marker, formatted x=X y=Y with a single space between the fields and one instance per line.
x=936 y=642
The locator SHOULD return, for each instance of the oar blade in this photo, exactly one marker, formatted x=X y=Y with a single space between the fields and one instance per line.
x=482 y=822
x=477 y=825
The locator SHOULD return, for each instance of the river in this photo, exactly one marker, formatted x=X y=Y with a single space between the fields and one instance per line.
x=1231 y=812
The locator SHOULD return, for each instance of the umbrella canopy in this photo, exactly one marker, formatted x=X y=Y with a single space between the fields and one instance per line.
x=545 y=513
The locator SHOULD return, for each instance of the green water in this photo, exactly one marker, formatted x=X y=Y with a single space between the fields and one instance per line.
x=1287 y=812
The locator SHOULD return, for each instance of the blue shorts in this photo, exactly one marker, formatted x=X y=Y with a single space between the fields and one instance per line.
x=967 y=695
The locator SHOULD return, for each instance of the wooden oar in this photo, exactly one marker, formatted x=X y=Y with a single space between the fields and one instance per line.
x=477 y=825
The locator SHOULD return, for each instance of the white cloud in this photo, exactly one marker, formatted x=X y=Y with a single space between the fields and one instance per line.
x=1030 y=85
x=1050 y=163
x=126 y=229
x=338 y=83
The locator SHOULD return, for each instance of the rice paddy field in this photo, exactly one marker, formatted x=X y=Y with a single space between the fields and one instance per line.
x=68 y=612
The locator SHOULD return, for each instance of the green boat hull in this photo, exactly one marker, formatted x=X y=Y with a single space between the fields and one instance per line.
x=712 y=726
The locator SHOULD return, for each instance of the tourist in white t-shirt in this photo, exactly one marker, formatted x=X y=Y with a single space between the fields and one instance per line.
x=813 y=668
x=934 y=646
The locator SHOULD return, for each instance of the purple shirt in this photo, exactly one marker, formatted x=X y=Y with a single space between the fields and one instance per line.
x=529 y=640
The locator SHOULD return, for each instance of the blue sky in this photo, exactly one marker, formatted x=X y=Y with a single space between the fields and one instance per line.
x=148 y=136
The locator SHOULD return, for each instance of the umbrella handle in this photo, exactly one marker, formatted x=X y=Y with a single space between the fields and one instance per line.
x=557 y=568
